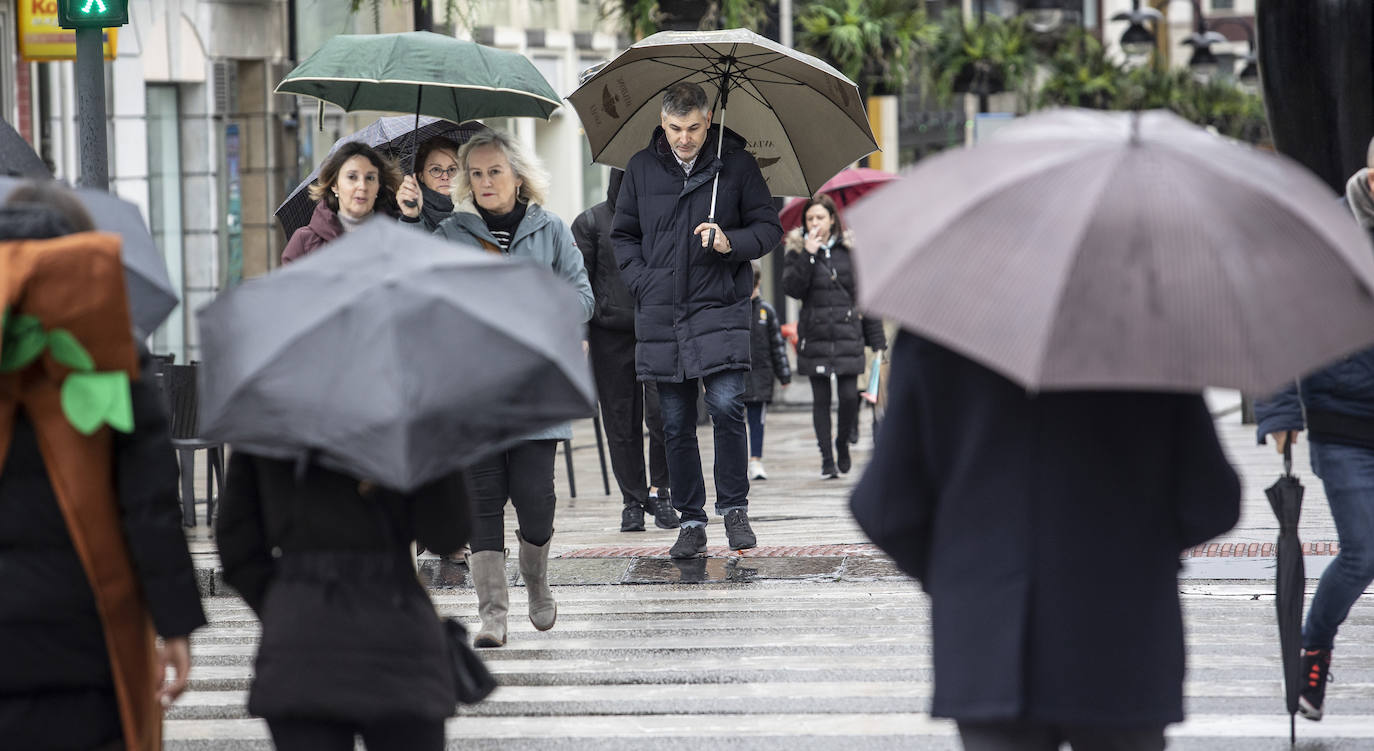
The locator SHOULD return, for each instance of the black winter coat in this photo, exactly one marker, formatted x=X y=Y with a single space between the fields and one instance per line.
x=615 y=307
x=1047 y=531
x=769 y=354
x=831 y=333
x=51 y=638
x=348 y=632
x=691 y=303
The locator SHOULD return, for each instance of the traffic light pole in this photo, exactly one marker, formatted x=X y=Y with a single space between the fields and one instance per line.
x=90 y=108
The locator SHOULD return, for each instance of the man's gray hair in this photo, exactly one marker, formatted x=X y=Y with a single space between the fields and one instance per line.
x=683 y=98
x=534 y=181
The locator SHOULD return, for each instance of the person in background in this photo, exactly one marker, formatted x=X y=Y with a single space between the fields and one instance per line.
x=768 y=362
x=91 y=545
x=498 y=201
x=984 y=493
x=354 y=183
x=437 y=165
x=818 y=270
x=1336 y=404
x=690 y=279
x=627 y=404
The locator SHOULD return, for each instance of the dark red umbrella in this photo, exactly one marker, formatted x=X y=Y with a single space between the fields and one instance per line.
x=844 y=188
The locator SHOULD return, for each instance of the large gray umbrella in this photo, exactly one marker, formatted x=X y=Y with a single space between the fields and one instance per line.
x=1081 y=249
x=392 y=355
x=152 y=297
x=17 y=158
x=803 y=120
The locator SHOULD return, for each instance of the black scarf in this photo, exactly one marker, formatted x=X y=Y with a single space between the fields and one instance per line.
x=436 y=208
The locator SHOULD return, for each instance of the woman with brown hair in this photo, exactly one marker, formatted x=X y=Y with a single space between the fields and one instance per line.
x=819 y=270
x=354 y=183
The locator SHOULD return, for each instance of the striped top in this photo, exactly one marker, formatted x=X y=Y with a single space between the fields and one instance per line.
x=503 y=226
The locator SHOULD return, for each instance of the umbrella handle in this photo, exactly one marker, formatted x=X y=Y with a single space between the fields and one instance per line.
x=1288 y=454
x=415 y=142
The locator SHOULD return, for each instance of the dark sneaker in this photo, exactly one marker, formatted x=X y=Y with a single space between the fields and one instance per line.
x=691 y=543
x=664 y=515
x=737 y=530
x=828 y=471
x=1316 y=671
x=842 y=456
x=632 y=519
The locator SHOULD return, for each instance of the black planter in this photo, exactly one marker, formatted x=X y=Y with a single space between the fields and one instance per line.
x=1316 y=62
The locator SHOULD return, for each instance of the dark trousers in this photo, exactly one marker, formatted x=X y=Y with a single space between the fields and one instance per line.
x=758 y=413
x=52 y=720
x=847 y=387
x=725 y=403
x=524 y=475
x=627 y=405
x=1025 y=736
x=411 y=734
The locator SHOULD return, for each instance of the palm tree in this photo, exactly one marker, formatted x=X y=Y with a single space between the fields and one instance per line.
x=874 y=42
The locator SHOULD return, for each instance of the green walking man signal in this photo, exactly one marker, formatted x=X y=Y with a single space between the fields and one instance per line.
x=92 y=14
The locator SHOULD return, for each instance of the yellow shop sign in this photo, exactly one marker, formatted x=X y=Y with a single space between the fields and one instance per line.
x=41 y=39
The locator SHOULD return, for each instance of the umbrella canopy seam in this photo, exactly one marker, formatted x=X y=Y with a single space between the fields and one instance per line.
x=450 y=86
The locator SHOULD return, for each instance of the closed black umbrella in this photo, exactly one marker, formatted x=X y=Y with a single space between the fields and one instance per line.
x=1289 y=581
x=17 y=158
x=396 y=138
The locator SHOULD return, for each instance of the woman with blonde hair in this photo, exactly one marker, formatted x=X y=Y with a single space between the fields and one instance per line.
x=497 y=200
x=354 y=183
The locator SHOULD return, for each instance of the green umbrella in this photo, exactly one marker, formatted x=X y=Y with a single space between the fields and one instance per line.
x=424 y=73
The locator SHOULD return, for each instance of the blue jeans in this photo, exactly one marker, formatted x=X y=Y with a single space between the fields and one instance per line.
x=758 y=412
x=725 y=403
x=1347 y=473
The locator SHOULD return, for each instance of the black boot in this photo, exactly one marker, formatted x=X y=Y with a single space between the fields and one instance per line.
x=828 y=471
x=632 y=517
x=842 y=454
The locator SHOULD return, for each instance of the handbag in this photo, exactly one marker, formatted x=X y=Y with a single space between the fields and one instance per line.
x=471 y=679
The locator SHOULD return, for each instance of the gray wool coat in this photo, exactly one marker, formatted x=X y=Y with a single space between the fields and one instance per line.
x=542 y=239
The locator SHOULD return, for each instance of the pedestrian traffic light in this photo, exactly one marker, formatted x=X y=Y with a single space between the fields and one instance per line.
x=92 y=14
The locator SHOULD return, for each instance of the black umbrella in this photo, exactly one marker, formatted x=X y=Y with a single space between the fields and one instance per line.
x=17 y=158
x=395 y=137
x=1289 y=581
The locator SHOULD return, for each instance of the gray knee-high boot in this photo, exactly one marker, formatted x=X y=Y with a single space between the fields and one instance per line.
x=534 y=569
x=488 y=571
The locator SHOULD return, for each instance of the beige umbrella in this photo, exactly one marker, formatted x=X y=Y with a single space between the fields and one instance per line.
x=1080 y=249
x=803 y=120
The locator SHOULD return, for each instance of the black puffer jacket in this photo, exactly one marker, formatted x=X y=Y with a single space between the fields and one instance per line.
x=769 y=354
x=51 y=638
x=615 y=307
x=348 y=632
x=691 y=303
x=831 y=334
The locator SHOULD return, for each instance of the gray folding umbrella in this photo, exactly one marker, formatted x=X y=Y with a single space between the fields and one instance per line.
x=392 y=355
x=804 y=121
x=395 y=137
x=151 y=295
x=1081 y=249
x=17 y=158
